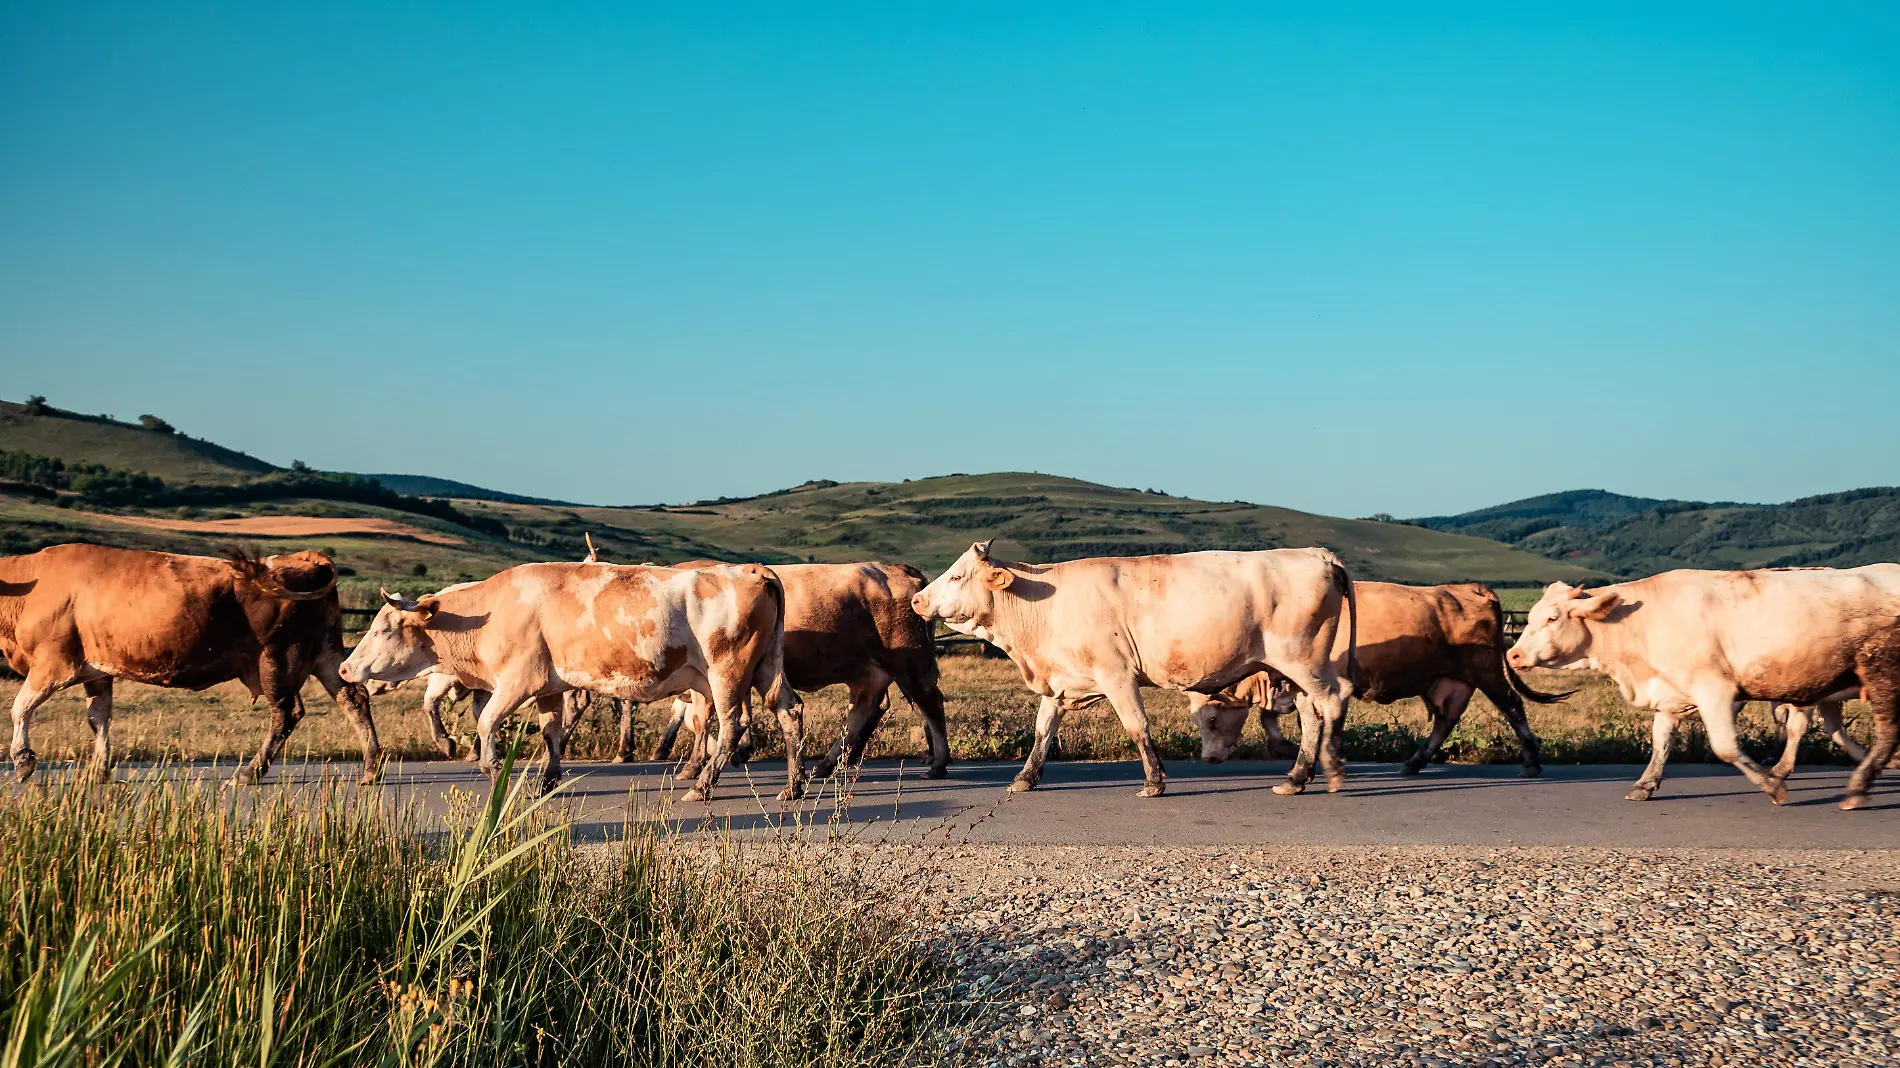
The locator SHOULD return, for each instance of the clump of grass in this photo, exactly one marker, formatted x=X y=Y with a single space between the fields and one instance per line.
x=160 y=922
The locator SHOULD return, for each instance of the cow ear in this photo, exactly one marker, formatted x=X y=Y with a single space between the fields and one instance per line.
x=425 y=608
x=998 y=578
x=1597 y=607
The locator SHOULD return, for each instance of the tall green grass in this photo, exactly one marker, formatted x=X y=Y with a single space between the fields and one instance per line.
x=159 y=923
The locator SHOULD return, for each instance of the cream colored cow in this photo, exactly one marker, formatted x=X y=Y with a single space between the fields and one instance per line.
x=1705 y=641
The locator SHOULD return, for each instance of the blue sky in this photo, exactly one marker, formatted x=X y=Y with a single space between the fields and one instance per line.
x=1404 y=258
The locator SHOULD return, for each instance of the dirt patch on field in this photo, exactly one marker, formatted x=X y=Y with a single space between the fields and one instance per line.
x=286 y=526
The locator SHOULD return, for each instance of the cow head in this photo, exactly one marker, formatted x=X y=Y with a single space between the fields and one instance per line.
x=1556 y=633
x=1220 y=723
x=396 y=647
x=965 y=595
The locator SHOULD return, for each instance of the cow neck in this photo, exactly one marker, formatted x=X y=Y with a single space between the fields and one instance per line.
x=454 y=649
x=1014 y=623
x=12 y=601
x=1609 y=646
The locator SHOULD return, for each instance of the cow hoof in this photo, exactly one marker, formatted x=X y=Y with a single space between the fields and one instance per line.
x=1641 y=793
x=695 y=794
x=1153 y=789
x=447 y=749
x=493 y=771
x=1532 y=771
x=825 y=769
x=99 y=776
x=24 y=763
x=1020 y=785
x=1289 y=789
x=1335 y=783
x=623 y=758
x=1779 y=794
x=1852 y=802
x=1409 y=768
x=937 y=772
x=791 y=793
x=740 y=756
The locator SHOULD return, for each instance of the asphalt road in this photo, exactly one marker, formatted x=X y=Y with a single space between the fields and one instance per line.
x=1094 y=804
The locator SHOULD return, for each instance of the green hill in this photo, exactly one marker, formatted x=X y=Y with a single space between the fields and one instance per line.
x=925 y=522
x=1833 y=530
x=97 y=439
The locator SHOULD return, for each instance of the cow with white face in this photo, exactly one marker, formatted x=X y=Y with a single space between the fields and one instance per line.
x=1706 y=641
x=1103 y=628
x=641 y=633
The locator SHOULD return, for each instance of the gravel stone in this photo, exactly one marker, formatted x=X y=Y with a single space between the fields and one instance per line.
x=1419 y=956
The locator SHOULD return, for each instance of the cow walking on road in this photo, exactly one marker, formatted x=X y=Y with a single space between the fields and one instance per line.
x=84 y=615
x=1706 y=641
x=537 y=631
x=1103 y=628
x=1437 y=643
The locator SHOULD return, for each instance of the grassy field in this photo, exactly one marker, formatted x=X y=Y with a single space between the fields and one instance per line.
x=173 y=924
x=991 y=716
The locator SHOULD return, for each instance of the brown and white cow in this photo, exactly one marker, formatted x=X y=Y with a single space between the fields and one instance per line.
x=642 y=633
x=87 y=614
x=1438 y=643
x=849 y=624
x=1704 y=641
x=1103 y=628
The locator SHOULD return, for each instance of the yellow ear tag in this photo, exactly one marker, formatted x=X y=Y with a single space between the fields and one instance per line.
x=998 y=578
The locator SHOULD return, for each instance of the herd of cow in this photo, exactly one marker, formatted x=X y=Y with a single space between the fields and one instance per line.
x=1283 y=630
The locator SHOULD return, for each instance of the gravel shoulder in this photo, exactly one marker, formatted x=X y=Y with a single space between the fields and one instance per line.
x=1421 y=955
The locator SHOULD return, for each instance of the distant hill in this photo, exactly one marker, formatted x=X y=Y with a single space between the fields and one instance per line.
x=428 y=486
x=928 y=522
x=172 y=456
x=1833 y=530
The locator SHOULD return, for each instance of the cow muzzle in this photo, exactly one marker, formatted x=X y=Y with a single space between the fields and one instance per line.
x=346 y=672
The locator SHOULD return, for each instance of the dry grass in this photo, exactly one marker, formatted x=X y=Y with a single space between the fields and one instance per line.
x=991 y=717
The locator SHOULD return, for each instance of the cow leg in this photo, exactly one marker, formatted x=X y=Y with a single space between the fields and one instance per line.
x=502 y=702
x=477 y=706
x=432 y=697
x=31 y=696
x=791 y=724
x=696 y=712
x=554 y=709
x=1794 y=720
x=1836 y=729
x=918 y=684
x=1446 y=699
x=664 y=748
x=1302 y=770
x=1717 y=705
x=281 y=697
x=1278 y=748
x=1880 y=688
x=575 y=704
x=1511 y=706
x=1662 y=731
x=1125 y=697
x=99 y=718
x=625 y=754
x=870 y=699
x=728 y=703
x=353 y=699
x=1048 y=721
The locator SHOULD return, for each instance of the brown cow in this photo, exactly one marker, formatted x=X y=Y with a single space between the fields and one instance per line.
x=1438 y=643
x=1706 y=641
x=642 y=633
x=87 y=614
x=849 y=624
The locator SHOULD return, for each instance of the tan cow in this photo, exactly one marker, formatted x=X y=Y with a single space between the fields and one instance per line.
x=848 y=624
x=1103 y=628
x=1438 y=643
x=636 y=632
x=1705 y=641
x=87 y=614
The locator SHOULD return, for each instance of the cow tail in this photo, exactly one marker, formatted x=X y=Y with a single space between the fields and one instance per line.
x=1524 y=690
x=1342 y=581
x=769 y=677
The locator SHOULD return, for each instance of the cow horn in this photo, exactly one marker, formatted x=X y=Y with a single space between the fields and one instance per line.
x=593 y=554
x=983 y=548
x=397 y=600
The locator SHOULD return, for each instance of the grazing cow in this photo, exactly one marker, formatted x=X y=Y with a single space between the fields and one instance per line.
x=1438 y=643
x=1102 y=628
x=1705 y=641
x=87 y=614
x=849 y=624
x=642 y=633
